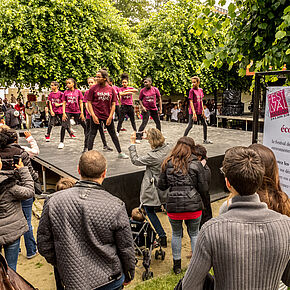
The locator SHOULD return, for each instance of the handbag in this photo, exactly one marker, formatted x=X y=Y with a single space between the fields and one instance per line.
x=10 y=280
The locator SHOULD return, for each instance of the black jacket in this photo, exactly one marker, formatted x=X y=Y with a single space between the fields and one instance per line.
x=186 y=192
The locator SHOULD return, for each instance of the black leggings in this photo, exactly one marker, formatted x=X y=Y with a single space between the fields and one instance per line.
x=88 y=130
x=190 y=124
x=111 y=130
x=126 y=110
x=64 y=125
x=117 y=112
x=155 y=117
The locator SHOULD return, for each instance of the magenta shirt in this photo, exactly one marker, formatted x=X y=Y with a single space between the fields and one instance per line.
x=102 y=99
x=56 y=98
x=88 y=116
x=126 y=99
x=72 y=99
x=117 y=92
x=148 y=98
x=196 y=96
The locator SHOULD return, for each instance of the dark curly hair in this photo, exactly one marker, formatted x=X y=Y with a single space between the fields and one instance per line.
x=7 y=136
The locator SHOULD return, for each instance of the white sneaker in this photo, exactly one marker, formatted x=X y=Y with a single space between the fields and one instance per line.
x=138 y=141
x=117 y=134
x=60 y=145
x=123 y=156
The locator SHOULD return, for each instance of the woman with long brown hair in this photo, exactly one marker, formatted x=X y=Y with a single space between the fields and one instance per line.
x=270 y=192
x=183 y=175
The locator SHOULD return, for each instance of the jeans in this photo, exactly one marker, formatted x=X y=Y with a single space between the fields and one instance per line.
x=150 y=211
x=129 y=110
x=111 y=129
x=29 y=240
x=115 y=285
x=177 y=231
x=190 y=123
x=11 y=253
x=155 y=117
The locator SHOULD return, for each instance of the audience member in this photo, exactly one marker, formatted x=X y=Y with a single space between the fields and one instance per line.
x=184 y=176
x=12 y=118
x=96 y=249
x=248 y=246
x=174 y=113
x=152 y=160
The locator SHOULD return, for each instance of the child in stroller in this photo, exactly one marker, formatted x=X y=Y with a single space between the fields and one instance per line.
x=145 y=240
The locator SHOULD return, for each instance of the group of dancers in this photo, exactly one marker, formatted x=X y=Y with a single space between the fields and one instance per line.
x=95 y=109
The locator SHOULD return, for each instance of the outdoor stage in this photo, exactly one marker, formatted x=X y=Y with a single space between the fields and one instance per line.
x=123 y=178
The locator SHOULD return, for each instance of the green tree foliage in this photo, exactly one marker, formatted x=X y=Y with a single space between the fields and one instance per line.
x=45 y=40
x=174 y=47
x=257 y=30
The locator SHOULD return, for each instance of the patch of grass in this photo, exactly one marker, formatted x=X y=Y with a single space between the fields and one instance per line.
x=167 y=282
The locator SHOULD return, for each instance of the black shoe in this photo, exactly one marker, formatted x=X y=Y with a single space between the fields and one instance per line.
x=207 y=142
x=107 y=148
x=163 y=242
x=177 y=266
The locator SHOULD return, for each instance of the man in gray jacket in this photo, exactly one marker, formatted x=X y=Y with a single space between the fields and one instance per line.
x=248 y=247
x=84 y=231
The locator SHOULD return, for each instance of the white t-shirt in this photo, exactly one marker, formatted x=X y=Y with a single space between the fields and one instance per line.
x=174 y=113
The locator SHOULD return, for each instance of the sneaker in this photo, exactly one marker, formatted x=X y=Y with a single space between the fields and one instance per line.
x=107 y=148
x=47 y=138
x=207 y=142
x=117 y=134
x=123 y=129
x=105 y=131
x=138 y=141
x=123 y=156
x=32 y=256
x=73 y=136
x=60 y=145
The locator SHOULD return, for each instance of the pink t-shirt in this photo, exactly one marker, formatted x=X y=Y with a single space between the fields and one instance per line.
x=128 y=98
x=102 y=99
x=117 y=92
x=72 y=99
x=56 y=98
x=196 y=96
x=88 y=116
x=148 y=98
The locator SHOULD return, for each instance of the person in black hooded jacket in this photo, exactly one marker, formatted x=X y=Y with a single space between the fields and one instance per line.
x=184 y=176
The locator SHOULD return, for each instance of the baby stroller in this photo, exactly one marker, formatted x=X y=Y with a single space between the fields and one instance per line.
x=145 y=240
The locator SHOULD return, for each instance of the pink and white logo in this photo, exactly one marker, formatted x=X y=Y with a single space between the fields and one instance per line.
x=277 y=104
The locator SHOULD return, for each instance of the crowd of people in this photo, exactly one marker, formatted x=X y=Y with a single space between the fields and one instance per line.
x=84 y=231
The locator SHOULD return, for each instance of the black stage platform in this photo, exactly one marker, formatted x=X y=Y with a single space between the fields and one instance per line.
x=123 y=178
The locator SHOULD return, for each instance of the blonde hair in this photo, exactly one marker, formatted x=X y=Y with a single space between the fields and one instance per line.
x=196 y=78
x=155 y=138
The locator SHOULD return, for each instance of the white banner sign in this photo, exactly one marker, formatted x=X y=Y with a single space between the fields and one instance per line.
x=277 y=130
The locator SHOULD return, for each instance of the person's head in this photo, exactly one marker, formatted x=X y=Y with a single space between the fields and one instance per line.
x=181 y=155
x=28 y=105
x=54 y=86
x=7 y=136
x=19 y=101
x=270 y=191
x=243 y=170
x=195 y=82
x=92 y=166
x=138 y=214
x=175 y=106
x=64 y=183
x=200 y=152
x=155 y=138
x=147 y=83
x=71 y=84
x=102 y=77
x=91 y=81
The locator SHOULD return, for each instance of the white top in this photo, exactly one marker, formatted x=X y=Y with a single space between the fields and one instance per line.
x=33 y=149
x=174 y=113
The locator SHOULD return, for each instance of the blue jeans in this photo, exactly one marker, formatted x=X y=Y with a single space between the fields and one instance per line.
x=115 y=285
x=11 y=253
x=30 y=243
x=192 y=229
x=150 y=211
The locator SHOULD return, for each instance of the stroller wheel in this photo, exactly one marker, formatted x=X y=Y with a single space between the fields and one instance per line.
x=147 y=275
x=162 y=255
x=157 y=255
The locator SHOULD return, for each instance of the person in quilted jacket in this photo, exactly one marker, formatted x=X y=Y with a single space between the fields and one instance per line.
x=84 y=231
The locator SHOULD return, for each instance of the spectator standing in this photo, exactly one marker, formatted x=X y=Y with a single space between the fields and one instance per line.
x=12 y=118
x=12 y=221
x=183 y=175
x=21 y=109
x=29 y=111
x=168 y=109
x=149 y=197
x=248 y=246
x=97 y=252
x=174 y=113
